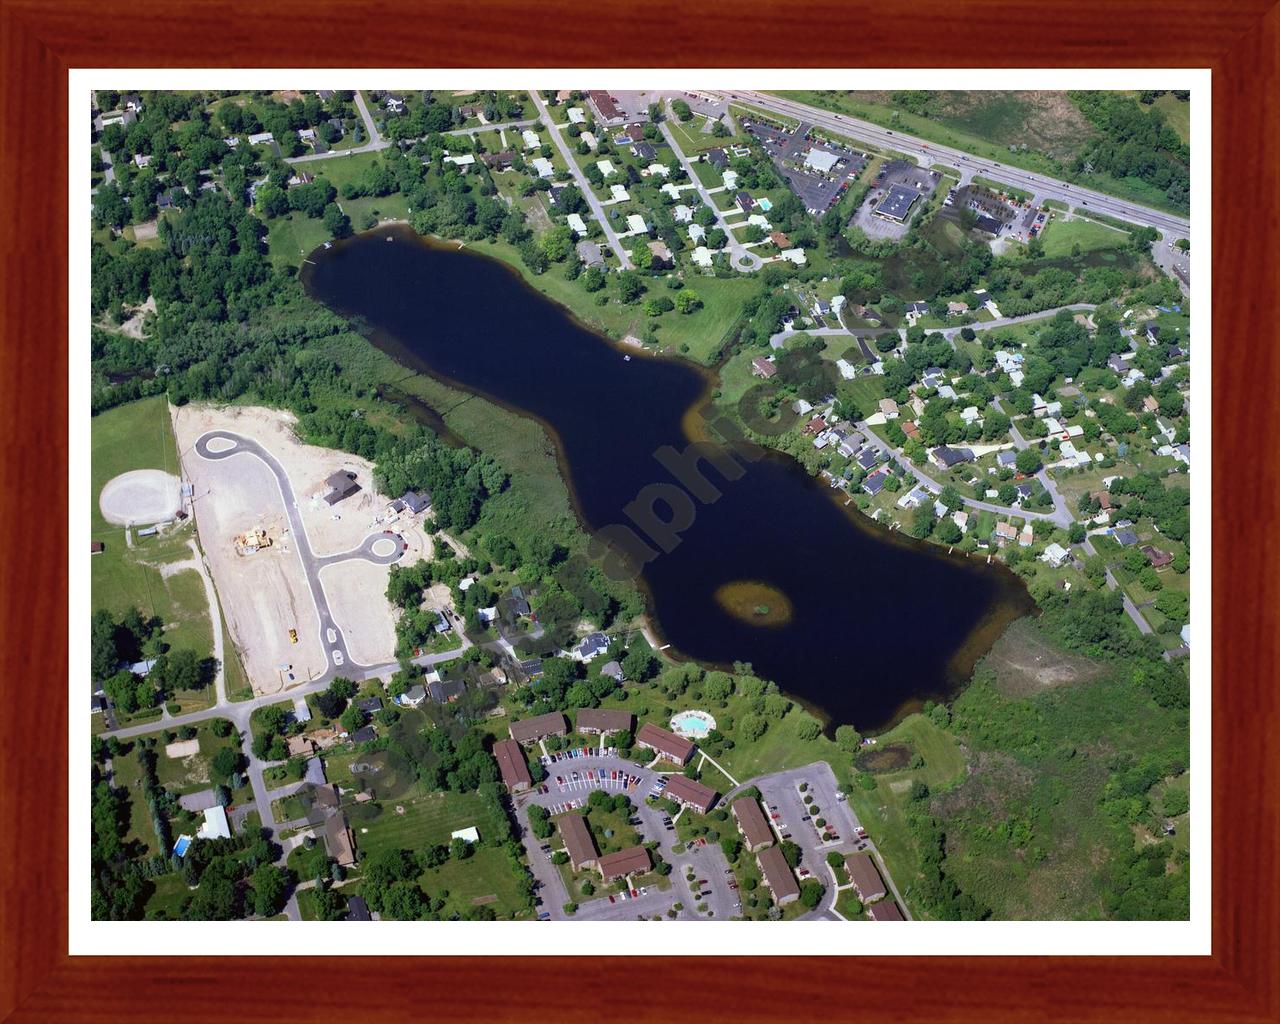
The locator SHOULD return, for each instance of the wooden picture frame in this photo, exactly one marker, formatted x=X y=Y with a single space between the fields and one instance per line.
x=1240 y=981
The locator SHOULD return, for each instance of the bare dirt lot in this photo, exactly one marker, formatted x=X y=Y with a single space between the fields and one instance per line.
x=264 y=594
x=140 y=496
x=357 y=598
x=1026 y=664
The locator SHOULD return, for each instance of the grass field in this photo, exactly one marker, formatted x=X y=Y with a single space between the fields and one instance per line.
x=1061 y=236
x=138 y=435
x=168 y=895
x=1177 y=113
x=290 y=238
x=884 y=809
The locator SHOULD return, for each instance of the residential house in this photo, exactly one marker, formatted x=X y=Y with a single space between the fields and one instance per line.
x=885 y=910
x=689 y=793
x=752 y=823
x=1156 y=558
x=531 y=730
x=664 y=743
x=777 y=875
x=592 y=645
x=579 y=843
x=1055 y=555
x=341 y=484
x=632 y=861
x=590 y=254
x=602 y=720
x=762 y=367
x=889 y=408
x=865 y=877
x=874 y=483
x=512 y=765
x=945 y=457
x=413 y=696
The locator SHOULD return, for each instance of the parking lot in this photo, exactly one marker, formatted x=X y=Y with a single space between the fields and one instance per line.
x=571 y=776
x=787 y=151
x=792 y=819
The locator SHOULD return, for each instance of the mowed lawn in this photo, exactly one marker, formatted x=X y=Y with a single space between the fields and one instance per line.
x=431 y=819
x=1062 y=236
x=139 y=435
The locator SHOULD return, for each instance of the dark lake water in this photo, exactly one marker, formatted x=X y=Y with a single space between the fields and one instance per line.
x=878 y=622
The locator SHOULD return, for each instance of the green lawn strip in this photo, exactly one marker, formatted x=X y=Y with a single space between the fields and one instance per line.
x=1062 y=236
x=126 y=774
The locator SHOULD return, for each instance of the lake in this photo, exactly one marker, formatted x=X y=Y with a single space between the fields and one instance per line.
x=857 y=623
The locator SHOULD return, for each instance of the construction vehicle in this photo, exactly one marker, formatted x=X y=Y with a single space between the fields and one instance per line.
x=252 y=540
x=293 y=636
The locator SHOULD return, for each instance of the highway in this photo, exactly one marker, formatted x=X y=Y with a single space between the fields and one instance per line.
x=927 y=153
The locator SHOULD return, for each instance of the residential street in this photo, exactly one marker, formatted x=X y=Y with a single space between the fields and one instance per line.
x=584 y=186
x=740 y=257
x=1130 y=608
x=933 y=485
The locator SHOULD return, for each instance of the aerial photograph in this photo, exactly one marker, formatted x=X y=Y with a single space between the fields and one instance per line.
x=615 y=505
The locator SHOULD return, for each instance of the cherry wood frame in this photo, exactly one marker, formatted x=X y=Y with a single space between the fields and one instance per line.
x=39 y=41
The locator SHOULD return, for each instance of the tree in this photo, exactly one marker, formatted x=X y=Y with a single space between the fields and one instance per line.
x=630 y=286
x=336 y=222
x=811 y=892
x=681 y=109
x=1028 y=461
x=225 y=764
x=687 y=300
x=460 y=849
x=270 y=884
x=848 y=738
x=808 y=729
x=352 y=719
x=791 y=852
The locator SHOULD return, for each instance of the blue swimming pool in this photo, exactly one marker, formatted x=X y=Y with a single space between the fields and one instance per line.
x=692 y=724
x=765 y=205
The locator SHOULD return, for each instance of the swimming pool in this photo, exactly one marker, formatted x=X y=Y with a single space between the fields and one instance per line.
x=692 y=724
x=765 y=204
x=181 y=846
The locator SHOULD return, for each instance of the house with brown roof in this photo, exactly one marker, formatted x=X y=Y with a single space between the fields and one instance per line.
x=530 y=730
x=761 y=367
x=499 y=161
x=780 y=240
x=690 y=793
x=885 y=910
x=777 y=875
x=338 y=840
x=1103 y=499
x=605 y=107
x=752 y=824
x=1006 y=532
x=579 y=843
x=512 y=765
x=632 y=861
x=664 y=743
x=1155 y=557
x=910 y=429
x=866 y=878
x=602 y=720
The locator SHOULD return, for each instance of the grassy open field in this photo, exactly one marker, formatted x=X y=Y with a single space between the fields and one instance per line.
x=290 y=238
x=1060 y=237
x=138 y=435
x=1177 y=113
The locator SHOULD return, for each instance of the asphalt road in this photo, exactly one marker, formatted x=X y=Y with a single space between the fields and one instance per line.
x=1039 y=185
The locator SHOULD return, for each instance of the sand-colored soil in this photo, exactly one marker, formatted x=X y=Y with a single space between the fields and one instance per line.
x=265 y=594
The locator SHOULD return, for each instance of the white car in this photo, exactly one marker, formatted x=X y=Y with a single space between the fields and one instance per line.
x=337 y=657
x=333 y=636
